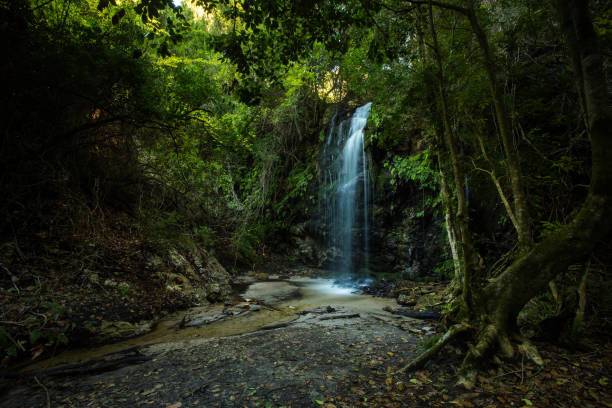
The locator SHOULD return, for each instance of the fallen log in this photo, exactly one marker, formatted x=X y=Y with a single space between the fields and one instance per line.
x=347 y=316
x=427 y=314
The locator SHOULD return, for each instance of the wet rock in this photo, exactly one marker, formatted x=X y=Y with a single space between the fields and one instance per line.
x=309 y=251
x=379 y=288
x=270 y=293
x=389 y=257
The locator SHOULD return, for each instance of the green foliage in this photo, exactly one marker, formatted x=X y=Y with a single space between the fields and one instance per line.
x=417 y=168
x=445 y=269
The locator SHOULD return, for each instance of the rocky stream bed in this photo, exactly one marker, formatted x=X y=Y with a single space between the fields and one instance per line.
x=298 y=342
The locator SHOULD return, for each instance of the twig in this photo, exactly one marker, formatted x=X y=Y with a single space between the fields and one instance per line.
x=522 y=368
x=46 y=391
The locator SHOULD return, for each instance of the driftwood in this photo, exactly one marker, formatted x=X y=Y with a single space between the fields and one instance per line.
x=347 y=316
x=278 y=325
x=328 y=309
x=415 y=314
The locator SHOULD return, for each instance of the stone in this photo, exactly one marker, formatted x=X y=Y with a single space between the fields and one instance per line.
x=405 y=300
x=309 y=251
x=389 y=257
x=271 y=293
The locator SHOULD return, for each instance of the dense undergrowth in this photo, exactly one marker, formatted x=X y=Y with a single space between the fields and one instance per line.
x=126 y=136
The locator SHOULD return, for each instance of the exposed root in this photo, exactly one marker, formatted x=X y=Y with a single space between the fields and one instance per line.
x=489 y=338
x=469 y=368
x=527 y=348
x=450 y=334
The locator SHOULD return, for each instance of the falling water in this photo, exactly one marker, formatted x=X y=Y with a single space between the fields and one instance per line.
x=346 y=192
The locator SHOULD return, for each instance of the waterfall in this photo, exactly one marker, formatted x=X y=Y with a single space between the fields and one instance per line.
x=345 y=193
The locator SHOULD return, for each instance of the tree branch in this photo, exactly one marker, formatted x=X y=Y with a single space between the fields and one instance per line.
x=447 y=6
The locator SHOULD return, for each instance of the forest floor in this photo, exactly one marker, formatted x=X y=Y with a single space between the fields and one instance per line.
x=344 y=355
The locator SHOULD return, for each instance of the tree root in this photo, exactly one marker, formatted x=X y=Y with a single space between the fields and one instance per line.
x=526 y=347
x=450 y=334
x=490 y=336
x=471 y=362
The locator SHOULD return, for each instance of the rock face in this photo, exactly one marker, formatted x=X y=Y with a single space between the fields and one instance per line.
x=307 y=248
x=405 y=239
x=194 y=272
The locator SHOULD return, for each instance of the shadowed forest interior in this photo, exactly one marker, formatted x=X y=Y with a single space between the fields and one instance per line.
x=372 y=202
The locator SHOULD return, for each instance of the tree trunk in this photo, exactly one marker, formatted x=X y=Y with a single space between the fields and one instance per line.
x=450 y=229
x=471 y=264
x=447 y=200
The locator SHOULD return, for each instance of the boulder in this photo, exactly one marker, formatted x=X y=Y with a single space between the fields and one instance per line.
x=193 y=272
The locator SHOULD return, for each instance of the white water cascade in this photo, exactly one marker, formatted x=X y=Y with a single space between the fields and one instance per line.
x=346 y=192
